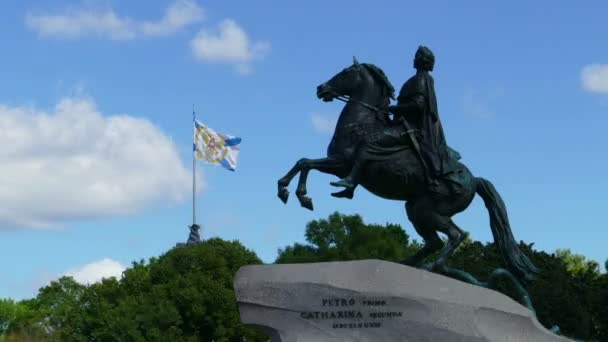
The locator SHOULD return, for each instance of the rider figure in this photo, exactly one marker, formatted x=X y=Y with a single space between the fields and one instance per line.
x=417 y=104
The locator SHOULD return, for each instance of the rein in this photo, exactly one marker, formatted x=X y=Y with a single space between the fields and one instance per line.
x=346 y=99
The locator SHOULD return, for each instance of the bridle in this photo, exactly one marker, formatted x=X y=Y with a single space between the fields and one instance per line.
x=346 y=99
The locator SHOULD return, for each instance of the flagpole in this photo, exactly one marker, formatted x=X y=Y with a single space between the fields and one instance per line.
x=194 y=236
x=193 y=176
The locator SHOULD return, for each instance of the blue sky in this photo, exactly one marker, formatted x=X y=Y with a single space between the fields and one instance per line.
x=95 y=120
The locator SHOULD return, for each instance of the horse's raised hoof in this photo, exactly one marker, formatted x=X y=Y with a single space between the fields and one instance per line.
x=283 y=194
x=347 y=193
x=306 y=202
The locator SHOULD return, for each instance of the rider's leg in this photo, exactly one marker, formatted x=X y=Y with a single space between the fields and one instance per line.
x=351 y=181
x=430 y=165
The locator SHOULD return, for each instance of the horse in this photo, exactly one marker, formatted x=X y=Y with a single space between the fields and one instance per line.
x=400 y=174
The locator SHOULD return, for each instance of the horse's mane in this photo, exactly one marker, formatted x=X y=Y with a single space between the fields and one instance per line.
x=380 y=76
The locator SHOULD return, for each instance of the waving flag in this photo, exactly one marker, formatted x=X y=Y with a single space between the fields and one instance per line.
x=214 y=147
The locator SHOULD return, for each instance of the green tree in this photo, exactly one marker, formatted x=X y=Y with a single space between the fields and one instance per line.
x=347 y=237
x=21 y=322
x=40 y=318
x=577 y=263
x=13 y=315
x=600 y=307
x=57 y=301
x=183 y=295
x=8 y=314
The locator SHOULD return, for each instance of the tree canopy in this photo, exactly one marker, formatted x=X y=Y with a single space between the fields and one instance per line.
x=347 y=237
x=186 y=294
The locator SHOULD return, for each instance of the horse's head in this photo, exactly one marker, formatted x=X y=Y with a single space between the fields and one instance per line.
x=343 y=83
x=362 y=81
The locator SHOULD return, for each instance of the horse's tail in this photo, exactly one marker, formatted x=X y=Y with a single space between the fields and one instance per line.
x=517 y=262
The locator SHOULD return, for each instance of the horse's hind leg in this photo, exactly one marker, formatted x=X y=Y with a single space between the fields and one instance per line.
x=455 y=238
x=432 y=243
x=427 y=220
x=424 y=228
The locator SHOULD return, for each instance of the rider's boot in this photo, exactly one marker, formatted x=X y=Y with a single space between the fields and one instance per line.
x=350 y=181
x=346 y=182
x=346 y=193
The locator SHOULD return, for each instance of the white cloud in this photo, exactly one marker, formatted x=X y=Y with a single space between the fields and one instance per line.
x=85 y=274
x=230 y=45
x=180 y=14
x=96 y=271
x=323 y=124
x=595 y=78
x=75 y=163
x=77 y=23
x=478 y=104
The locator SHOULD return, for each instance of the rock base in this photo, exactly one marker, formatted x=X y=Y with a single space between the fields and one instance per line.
x=373 y=300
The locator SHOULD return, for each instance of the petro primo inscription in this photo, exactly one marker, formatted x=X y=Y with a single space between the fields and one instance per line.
x=352 y=313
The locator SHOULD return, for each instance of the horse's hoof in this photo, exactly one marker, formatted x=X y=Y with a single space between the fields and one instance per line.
x=283 y=194
x=306 y=202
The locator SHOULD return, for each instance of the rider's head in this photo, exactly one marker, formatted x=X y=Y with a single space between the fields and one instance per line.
x=424 y=59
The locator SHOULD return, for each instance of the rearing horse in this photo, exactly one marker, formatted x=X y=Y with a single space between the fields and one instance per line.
x=400 y=176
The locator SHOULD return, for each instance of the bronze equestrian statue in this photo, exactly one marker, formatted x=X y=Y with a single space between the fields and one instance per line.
x=417 y=105
x=405 y=158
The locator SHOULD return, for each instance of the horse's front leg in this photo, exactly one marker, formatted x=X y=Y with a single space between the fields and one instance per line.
x=283 y=183
x=325 y=165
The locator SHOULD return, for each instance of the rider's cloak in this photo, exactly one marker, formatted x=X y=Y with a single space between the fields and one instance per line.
x=417 y=103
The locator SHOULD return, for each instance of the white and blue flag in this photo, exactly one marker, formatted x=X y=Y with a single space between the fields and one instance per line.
x=214 y=147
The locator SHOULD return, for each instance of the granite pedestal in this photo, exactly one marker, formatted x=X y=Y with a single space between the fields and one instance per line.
x=373 y=300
